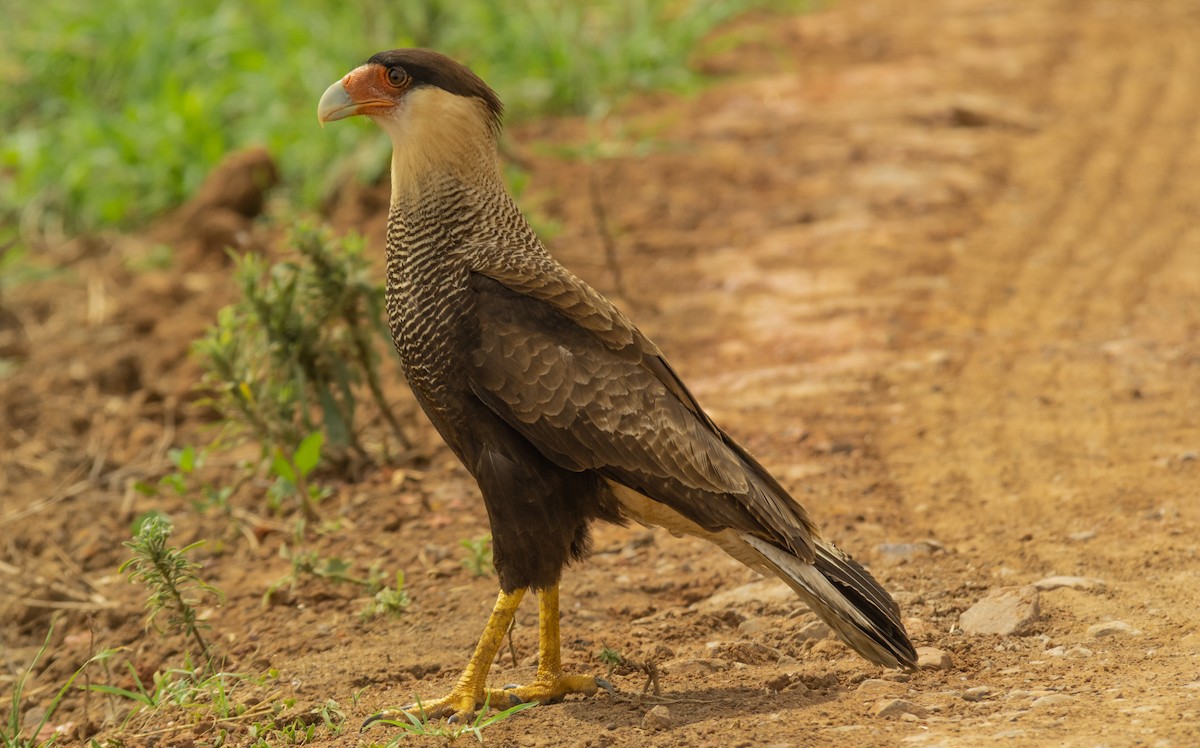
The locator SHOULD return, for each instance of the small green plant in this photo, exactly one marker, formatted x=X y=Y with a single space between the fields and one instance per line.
x=202 y=697
x=479 y=555
x=611 y=659
x=291 y=361
x=389 y=601
x=299 y=730
x=186 y=480
x=419 y=724
x=170 y=577
x=309 y=564
x=291 y=473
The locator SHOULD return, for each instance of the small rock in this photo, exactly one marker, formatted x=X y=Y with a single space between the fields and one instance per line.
x=1082 y=537
x=902 y=553
x=977 y=693
x=813 y=630
x=1111 y=628
x=1078 y=653
x=658 y=718
x=751 y=626
x=896 y=708
x=1054 y=699
x=1005 y=611
x=1076 y=583
x=931 y=658
x=763 y=592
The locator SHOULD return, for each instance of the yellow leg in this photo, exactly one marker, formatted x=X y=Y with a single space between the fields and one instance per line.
x=469 y=693
x=550 y=685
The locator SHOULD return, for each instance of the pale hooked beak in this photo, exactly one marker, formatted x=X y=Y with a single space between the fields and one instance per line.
x=336 y=104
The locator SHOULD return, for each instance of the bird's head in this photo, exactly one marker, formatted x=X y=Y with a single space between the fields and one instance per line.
x=400 y=87
x=436 y=110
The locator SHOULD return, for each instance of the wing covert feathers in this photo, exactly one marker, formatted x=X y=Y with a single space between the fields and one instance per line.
x=589 y=402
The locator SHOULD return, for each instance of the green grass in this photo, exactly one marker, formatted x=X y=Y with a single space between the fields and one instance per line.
x=418 y=724
x=116 y=109
x=12 y=734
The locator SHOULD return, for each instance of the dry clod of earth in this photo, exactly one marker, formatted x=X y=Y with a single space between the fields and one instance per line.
x=658 y=718
x=902 y=553
x=932 y=658
x=1088 y=584
x=219 y=215
x=1073 y=653
x=1110 y=629
x=1008 y=611
x=814 y=631
x=1050 y=700
x=897 y=709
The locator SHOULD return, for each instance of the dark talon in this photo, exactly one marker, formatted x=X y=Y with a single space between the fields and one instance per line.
x=372 y=720
x=453 y=720
x=515 y=698
x=600 y=682
x=511 y=686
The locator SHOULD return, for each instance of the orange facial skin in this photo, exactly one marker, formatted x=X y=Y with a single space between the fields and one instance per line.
x=369 y=90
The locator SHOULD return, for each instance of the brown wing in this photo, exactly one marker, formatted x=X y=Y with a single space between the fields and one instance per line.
x=566 y=370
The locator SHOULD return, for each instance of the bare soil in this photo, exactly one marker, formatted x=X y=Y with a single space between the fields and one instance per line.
x=936 y=263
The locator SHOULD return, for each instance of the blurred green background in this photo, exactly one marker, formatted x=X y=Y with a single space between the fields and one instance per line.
x=114 y=110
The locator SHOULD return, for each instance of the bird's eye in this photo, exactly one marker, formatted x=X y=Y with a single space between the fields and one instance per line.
x=396 y=76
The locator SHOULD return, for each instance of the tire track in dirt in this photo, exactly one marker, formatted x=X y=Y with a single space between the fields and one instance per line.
x=1069 y=324
x=1073 y=244
x=1156 y=241
x=1076 y=301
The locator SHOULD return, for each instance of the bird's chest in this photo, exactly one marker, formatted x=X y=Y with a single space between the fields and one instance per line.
x=431 y=315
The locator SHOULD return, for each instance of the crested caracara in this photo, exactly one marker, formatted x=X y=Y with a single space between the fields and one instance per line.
x=554 y=401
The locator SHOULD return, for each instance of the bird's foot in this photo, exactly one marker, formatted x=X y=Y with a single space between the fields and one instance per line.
x=550 y=688
x=458 y=705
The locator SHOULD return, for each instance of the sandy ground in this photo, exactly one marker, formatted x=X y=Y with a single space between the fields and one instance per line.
x=936 y=263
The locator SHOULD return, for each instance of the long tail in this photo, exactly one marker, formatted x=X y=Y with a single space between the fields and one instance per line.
x=847 y=598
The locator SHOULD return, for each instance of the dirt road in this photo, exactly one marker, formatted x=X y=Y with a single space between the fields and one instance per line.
x=936 y=263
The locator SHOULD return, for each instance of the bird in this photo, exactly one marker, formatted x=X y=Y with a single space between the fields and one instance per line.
x=560 y=408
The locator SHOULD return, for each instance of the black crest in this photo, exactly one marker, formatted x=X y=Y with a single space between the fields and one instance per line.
x=436 y=69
